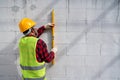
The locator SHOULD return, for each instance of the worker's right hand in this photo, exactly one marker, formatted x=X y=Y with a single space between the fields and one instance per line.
x=49 y=25
x=54 y=49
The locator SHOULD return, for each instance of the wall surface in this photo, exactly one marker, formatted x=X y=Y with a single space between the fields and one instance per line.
x=87 y=35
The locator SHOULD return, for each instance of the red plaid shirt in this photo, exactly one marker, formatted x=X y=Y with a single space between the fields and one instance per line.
x=42 y=53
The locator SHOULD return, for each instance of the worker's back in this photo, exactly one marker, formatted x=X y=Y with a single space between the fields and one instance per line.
x=28 y=62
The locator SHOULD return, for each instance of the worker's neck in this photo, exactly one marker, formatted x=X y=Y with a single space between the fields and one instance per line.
x=30 y=35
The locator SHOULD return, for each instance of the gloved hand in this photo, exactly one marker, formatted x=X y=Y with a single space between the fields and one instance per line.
x=54 y=49
x=49 y=25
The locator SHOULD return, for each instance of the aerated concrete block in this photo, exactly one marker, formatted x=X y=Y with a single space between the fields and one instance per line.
x=6 y=3
x=7 y=36
x=78 y=4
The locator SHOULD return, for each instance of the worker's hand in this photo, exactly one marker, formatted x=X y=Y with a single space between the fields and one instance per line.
x=54 y=49
x=49 y=25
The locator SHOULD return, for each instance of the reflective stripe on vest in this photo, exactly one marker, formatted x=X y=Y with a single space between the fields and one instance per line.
x=42 y=78
x=32 y=68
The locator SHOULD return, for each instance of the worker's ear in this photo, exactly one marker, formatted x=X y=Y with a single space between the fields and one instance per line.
x=34 y=32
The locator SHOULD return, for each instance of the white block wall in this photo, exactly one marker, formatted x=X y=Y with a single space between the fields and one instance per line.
x=87 y=35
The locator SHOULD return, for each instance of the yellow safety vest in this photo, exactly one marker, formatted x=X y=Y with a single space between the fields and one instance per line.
x=31 y=68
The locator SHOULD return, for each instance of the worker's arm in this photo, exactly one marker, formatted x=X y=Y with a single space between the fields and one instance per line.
x=42 y=53
x=40 y=30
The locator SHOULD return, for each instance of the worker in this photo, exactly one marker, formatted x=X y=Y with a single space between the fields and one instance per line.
x=33 y=51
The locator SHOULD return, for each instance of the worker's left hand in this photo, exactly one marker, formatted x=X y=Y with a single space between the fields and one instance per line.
x=49 y=25
x=54 y=49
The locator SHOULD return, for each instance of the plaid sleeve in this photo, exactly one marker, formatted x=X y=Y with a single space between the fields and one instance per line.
x=40 y=30
x=42 y=53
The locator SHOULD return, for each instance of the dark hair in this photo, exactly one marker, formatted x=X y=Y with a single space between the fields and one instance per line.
x=25 y=32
